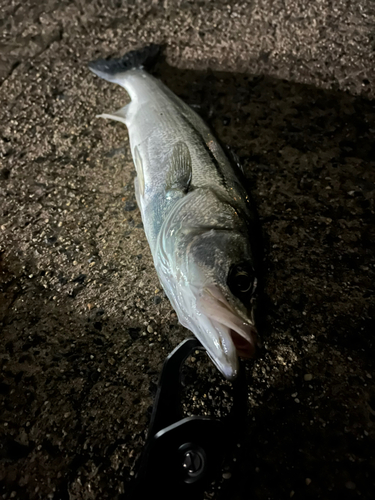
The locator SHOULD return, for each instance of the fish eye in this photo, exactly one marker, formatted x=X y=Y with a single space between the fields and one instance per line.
x=241 y=280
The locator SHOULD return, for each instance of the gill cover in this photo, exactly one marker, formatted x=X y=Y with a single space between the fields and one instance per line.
x=192 y=262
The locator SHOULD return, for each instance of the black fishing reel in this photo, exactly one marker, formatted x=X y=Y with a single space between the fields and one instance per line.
x=182 y=456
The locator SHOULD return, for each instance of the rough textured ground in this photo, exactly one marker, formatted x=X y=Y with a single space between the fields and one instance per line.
x=85 y=327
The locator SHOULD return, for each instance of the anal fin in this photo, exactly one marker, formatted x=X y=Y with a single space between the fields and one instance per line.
x=119 y=115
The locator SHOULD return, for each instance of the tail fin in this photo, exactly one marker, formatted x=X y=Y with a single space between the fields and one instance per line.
x=113 y=69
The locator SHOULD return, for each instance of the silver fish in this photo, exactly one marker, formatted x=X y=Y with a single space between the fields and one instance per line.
x=195 y=211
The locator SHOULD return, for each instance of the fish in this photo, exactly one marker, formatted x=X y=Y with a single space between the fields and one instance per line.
x=196 y=212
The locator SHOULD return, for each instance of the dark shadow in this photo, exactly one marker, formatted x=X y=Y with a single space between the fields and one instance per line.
x=308 y=156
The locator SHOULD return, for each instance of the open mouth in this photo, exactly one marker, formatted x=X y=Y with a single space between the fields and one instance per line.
x=244 y=348
x=228 y=323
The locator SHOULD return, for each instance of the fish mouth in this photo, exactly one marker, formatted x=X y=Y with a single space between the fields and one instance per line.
x=231 y=335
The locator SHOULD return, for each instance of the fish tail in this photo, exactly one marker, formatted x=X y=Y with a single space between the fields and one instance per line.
x=113 y=70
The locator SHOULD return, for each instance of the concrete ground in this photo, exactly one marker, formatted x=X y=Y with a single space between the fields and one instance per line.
x=85 y=326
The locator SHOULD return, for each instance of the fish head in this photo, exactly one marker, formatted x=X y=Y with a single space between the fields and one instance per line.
x=207 y=272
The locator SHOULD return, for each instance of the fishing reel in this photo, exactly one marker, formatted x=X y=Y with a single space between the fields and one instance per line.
x=183 y=455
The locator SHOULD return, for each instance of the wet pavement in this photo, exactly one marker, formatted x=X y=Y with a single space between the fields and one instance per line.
x=85 y=326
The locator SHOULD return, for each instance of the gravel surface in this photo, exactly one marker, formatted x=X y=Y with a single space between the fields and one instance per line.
x=85 y=326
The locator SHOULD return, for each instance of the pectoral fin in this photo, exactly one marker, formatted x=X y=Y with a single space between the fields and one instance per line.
x=180 y=169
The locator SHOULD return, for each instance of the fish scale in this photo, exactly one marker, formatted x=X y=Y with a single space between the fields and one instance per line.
x=175 y=121
x=195 y=212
